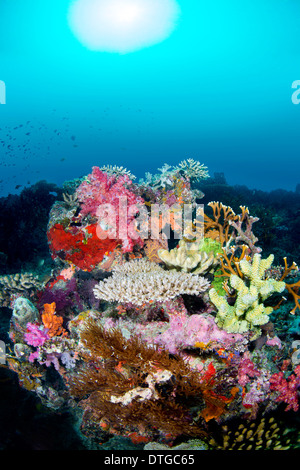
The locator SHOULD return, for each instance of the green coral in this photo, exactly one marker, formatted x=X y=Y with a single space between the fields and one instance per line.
x=248 y=311
x=209 y=245
x=218 y=281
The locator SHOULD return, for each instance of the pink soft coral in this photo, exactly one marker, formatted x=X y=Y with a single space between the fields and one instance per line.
x=246 y=370
x=102 y=193
x=36 y=335
x=194 y=331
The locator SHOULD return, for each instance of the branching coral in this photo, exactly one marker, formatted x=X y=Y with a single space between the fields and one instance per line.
x=218 y=227
x=156 y=360
x=151 y=248
x=248 y=311
x=117 y=171
x=173 y=183
x=193 y=169
x=147 y=286
x=292 y=288
x=229 y=228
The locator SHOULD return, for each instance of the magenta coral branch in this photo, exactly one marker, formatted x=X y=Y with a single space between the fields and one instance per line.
x=287 y=388
x=103 y=196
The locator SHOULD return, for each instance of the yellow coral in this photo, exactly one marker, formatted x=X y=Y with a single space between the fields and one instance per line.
x=187 y=257
x=248 y=312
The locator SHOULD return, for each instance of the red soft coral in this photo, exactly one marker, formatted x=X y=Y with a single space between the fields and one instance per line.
x=287 y=388
x=80 y=246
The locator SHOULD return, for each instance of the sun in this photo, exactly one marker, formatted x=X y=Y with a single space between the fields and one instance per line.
x=122 y=25
x=125 y=13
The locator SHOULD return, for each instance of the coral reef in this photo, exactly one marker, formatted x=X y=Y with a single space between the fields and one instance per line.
x=189 y=344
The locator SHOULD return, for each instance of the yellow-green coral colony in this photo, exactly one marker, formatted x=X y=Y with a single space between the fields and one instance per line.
x=248 y=311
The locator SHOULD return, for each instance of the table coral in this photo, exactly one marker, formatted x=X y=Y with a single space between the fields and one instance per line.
x=144 y=287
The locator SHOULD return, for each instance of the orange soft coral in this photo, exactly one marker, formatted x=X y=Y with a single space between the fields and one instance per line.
x=52 y=322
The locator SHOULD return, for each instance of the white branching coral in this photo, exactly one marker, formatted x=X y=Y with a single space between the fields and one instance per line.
x=193 y=169
x=136 y=266
x=140 y=284
x=190 y=169
x=117 y=170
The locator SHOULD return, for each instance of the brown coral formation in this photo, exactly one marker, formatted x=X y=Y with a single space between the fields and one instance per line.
x=25 y=284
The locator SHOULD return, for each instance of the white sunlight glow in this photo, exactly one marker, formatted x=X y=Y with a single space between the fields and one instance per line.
x=122 y=25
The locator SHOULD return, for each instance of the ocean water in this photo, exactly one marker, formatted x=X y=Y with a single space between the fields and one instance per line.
x=155 y=82
x=217 y=88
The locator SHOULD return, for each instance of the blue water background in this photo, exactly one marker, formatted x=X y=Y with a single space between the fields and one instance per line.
x=217 y=90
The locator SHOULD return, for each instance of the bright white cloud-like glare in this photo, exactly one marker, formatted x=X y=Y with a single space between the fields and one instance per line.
x=122 y=25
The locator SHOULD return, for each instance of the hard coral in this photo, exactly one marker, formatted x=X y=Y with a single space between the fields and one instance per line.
x=149 y=286
x=248 y=311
